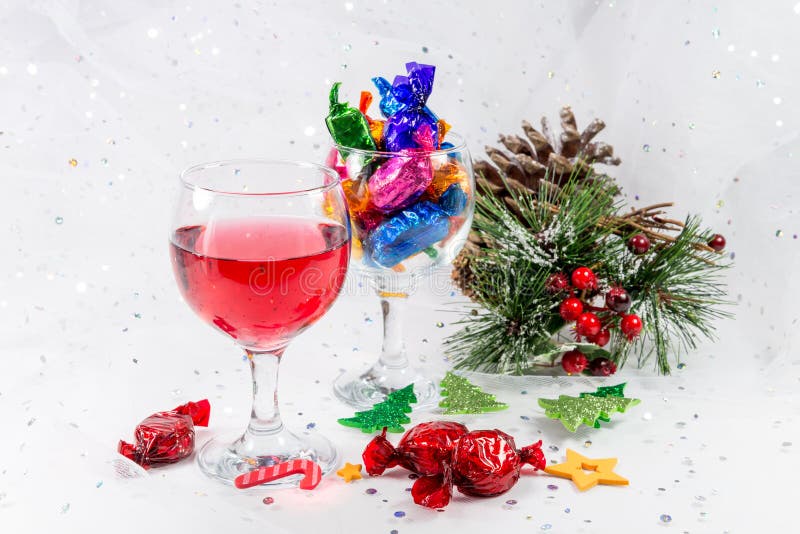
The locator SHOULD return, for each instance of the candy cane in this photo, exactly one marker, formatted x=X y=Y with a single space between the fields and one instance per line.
x=312 y=472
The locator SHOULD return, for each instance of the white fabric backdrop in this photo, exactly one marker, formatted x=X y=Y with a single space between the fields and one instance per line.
x=93 y=336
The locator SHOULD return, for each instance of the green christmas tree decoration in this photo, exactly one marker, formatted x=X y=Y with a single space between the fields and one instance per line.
x=390 y=413
x=463 y=397
x=607 y=391
x=589 y=410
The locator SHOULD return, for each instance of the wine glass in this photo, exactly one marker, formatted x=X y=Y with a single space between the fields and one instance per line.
x=260 y=251
x=411 y=213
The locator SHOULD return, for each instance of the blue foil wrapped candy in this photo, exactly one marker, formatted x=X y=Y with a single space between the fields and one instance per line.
x=411 y=92
x=453 y=200
x=389 y=104
x=410 y=231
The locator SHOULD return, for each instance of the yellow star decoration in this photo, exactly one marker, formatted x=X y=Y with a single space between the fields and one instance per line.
x=350 y=472
x=585 y=472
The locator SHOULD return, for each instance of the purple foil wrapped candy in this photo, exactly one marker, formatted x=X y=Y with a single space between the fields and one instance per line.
x=411 y=231
x=411 y=92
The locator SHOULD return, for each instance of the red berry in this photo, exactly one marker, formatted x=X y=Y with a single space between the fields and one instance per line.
x=601 y=339
x=717 y=242
x=639 y=244
x=574 y=362
x=617 y=299
x=584 y=278
x=631 y=325
x=602 y=367
x=571 y=309
x=556 y=283
x=588 y=324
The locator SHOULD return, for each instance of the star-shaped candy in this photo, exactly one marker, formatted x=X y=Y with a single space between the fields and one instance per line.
x=585 y=472
x=350 y=472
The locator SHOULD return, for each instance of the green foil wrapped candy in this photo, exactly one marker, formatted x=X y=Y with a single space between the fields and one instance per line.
x=347 y=124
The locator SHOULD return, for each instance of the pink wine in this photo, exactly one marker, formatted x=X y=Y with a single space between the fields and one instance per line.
x=264 y=279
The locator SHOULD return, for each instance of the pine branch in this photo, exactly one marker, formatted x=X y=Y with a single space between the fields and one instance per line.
x=523 y=238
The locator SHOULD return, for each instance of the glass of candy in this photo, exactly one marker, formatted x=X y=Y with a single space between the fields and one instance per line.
x=411 y=211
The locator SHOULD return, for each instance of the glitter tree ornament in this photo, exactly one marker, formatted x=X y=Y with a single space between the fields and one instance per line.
x=590 y=410
x=607 y=391
x=463 y=397
x=390 y=413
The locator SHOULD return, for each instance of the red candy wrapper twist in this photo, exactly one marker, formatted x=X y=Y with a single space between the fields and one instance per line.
x=482 y=463
x=166 y=437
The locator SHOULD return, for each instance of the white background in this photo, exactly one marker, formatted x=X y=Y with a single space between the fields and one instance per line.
x=93 y=336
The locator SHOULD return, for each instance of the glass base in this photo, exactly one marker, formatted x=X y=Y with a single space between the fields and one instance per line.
x=224 y=461
x=363 y=390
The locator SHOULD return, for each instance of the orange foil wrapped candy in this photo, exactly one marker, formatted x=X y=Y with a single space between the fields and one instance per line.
x=357 y=194
x=364 y=217
x=444 y=127
x=375 y=126
x=448 y=174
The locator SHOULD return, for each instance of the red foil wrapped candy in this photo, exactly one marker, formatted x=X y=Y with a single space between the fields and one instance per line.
x=166 y=437
x=487 y=462
x=482 y=463
x=423 y=449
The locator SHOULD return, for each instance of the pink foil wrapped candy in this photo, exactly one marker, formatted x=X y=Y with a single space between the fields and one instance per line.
x=402 y=179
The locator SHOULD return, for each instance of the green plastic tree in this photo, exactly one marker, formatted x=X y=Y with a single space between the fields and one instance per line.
x=462 y=396
x=390 y=413
x=589 y=410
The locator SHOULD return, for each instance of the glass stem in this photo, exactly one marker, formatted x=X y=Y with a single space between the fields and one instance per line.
x=265 y=418
x=393 y=353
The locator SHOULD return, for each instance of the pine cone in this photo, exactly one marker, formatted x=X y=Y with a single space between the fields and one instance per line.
x=529 y=163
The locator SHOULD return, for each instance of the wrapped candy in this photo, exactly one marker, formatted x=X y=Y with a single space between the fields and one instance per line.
x=487 y=463
x=346 y=124
x=410 y=231
x=448 y=174
x=166 y=437
x=335 y=162
x=357 y=194
x=453 y=200
x=423 y=449
x=400 y=180
x=443 y=128
x=375 y=126
x=481 y=463
x=411 y=92
x=389 y=104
